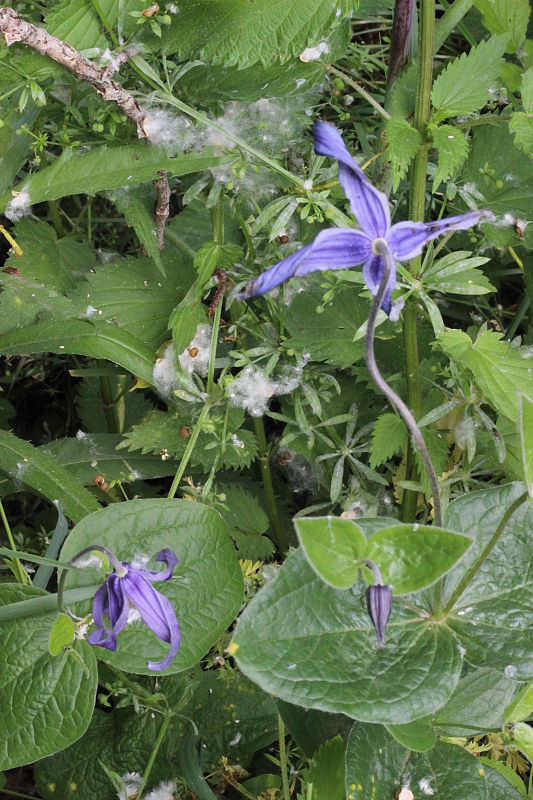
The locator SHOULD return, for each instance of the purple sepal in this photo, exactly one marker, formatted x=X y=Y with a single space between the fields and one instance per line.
x=379 y=606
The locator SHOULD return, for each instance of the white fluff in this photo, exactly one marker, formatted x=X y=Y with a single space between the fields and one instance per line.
x=19 y=206
x=165 y=372
x=192 y=361
x=165 y=791
x=252 y=390
x=314 y=53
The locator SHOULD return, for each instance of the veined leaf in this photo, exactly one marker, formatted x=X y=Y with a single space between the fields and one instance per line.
x=525 y=426
x=463 y=86
x=388 y=438
x=506 y=17
x=452 y=147
x=403 y=142
x=333 y=547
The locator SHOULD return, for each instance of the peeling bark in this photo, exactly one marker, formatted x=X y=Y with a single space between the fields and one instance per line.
x=162 y=206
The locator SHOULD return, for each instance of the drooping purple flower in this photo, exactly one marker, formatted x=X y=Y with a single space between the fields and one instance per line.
x=131 y=587
x=339 y=248
x=379 y=607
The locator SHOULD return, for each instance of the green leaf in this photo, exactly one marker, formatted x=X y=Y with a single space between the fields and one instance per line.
x=499 y=776
x=245 y=721
x=206 y=589
x=189 y=754
x=417 y=735
x=452 y=147
x=310 y=728
x=526 y=90
x=522 y=705
x=411 y=557
x=61 y=635
x=269 y=30
x=312 y=645
x=521 y=125
x=138 y=211
x=28 y=466
x=76 y=22
x=107 y=168
x=477 y=704
x=521 y=736
x=493 y=617
x=14 y=142
x=328 y=336
x=457 y=273
x=376 y=765
x=501 y=371
x=525 y=427
x=507 y=17
x=47 y=701
x=463 y=87
x=388 y=438
x=121 y=739
x=326 y=771
x=94 y=338
x=248 y=522
x=333 y=547
x=403 y=142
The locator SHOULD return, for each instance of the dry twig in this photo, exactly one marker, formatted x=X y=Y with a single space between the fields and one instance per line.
x=162 y=206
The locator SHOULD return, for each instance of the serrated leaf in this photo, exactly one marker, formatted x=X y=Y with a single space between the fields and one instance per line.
x=248 y=522
x=493 y=617
x=333 y=547
x=106 y=168
x=501 y=371
x=521 y=125
x=411 y=557
x=138 y=211
x=326 y=771
x=269 y=31
x=388 y=438
x=246 y=719
x=403 y=142
x=452 y=147
x=464 y=85
x=457 y=273
x=506 y=17
x=307 y=643
x=28 y=466
x=120 y=739
x=47 y=701
x=94 y=338
x=76 y=22
x=525 y=427
x=477 y=704
x=206 y=588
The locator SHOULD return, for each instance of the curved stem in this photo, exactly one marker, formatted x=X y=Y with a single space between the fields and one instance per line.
x=120 y=570
x=359 y=89
x=482 y=557
x=382 y=249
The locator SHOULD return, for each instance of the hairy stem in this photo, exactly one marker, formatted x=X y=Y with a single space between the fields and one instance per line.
x=416 y=212
x=270 y=497
x=382 y=249
x=482 y=557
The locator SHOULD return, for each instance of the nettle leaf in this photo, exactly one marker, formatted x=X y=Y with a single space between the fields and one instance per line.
x=28 y=466
x=138 y=210
x=463 y=87
x=501 y=371
x=403 y=142
x=245 y=720
x=493 y=618
x=47 y=701
x=377 y=765
x=525 y=427
x=389 y=437
x=506 y=17
x=269 y=31
x=477 y=705
x=83 y=337
x=457 y=273
x=521 y=125
x=333 y=547
x=247 y=521
x=326 y=770
x=329 y=336
x=133 y=295
x=313 y=645
x=76 y=22
x=120 y=739
x=106 y=168
x=411 y=557
x=452 y=147
x=206 y=589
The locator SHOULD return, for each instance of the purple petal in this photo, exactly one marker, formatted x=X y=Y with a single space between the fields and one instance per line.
x=167 y=557
x=372 y=274
x=370 y=206
x=406 y=239
x=109 y=601
x=379 y=607
x=156 y=612
x=336 y=248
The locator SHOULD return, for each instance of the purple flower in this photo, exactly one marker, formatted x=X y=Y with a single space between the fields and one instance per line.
x=128 y=587
x=338 y=248
x=379 y=607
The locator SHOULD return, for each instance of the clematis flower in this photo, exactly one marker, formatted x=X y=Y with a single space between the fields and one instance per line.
x=379 y=607
x=131 y=587
x=339 y=248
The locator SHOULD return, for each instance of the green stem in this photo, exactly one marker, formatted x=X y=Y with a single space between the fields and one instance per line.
x=188 y=450
x=283 y=759
x=416 y=212
x=57 y=222
x=103 y=19
x=452 y=19
x=482 y=557
x=45 y=603
x=109 y=405
x=10 y=793
x=359 y=89
x=18 y=570
x=270 y=497
x=158 y=742
x=213 y=349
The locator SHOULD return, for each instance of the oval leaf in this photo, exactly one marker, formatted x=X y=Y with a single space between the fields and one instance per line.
x=61 y=635
x=333 y=547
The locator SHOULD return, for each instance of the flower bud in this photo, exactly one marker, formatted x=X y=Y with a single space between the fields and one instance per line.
x=379 y=606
